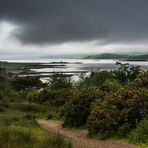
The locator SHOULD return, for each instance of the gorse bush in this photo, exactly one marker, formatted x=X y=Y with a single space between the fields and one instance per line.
x=125 y=107
x=77 y=109
x=54 y=97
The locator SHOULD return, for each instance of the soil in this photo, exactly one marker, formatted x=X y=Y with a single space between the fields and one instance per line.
x=79 y=137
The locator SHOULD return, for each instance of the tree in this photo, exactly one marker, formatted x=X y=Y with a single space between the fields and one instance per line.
x=22 y=83
x=60 y=81
x=126 y=72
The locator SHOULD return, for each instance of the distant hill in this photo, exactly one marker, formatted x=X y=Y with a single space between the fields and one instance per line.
x=118 y=56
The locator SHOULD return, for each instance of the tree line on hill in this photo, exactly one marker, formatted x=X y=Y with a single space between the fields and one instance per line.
x=143 y=57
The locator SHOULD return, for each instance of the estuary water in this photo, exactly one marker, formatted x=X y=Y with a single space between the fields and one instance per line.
x=75 y=67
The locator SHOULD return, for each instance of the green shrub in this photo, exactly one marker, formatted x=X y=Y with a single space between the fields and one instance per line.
x=140 y=133
x=8 y=93
x=120 y=111
x=60 y=81
x=77 y=109
x=111 y=85
x=97 y=78
x=32 y=96
x=54 y=97
x=23 y=83
x=126 y=72
x=124 y=130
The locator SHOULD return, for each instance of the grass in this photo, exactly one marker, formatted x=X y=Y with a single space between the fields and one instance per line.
x=12 y=65
x=58 y=141
x=12 y=137
x=19 y=129
x=139 y=135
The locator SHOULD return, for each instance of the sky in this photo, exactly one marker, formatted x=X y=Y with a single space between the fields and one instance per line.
x=57 y=27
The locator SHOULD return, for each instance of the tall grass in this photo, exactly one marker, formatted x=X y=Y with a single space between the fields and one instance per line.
x=140 y=133
x=19 y=129
x=57 y=140
x=21 y=138
x=14 y=138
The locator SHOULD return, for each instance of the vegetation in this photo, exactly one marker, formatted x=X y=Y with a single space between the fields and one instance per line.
x=18 y=127
x=118 y=56
x=108 y=103
x=59 y=80
x=22 y=83
x=119 y=112
x=77 y=108
x=140 y=133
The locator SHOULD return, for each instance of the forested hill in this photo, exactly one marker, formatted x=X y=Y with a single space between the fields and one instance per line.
x=117 y=56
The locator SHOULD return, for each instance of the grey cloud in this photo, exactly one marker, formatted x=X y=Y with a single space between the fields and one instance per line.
x=55 y=21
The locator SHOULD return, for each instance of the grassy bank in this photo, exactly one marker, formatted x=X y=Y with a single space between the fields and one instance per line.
x=18 y=128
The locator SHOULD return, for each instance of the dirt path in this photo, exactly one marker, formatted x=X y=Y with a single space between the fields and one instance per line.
x=79 y=137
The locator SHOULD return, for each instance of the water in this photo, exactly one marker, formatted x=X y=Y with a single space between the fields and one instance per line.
x=77 y=66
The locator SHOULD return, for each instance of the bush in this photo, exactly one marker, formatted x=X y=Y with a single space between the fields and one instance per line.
x=32 y=96
x=120 y=110
x=8 y=93
x=126 y=72
x=77 y=109
x=60 y=81
x=111 y=85
x=140 y=133
x=54 y=97
x=97 y=78
x=23 y=83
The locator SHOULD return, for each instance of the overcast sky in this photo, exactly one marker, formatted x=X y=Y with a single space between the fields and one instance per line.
x=38 y=27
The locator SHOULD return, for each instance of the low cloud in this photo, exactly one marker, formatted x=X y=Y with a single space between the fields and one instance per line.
x=61 y=21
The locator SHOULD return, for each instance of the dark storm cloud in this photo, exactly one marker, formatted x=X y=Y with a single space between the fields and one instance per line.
x=55 y=21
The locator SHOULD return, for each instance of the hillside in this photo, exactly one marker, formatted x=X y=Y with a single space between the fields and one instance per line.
x=118 y=56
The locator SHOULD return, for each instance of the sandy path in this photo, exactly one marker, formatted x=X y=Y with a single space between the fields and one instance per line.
x=79 y=137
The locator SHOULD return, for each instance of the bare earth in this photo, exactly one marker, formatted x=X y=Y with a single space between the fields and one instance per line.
x=79 y=137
